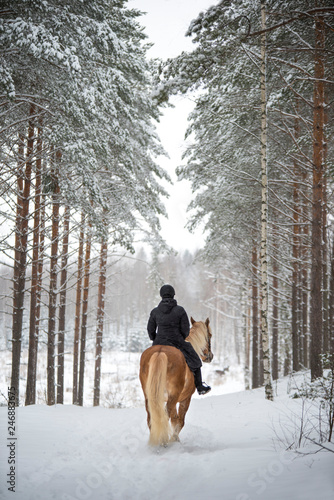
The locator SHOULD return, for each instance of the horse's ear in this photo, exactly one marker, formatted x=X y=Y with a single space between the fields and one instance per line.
x=207 y=321
x=192 y=320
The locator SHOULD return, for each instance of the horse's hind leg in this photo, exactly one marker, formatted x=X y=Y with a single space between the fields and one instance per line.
x=174 y=418
x=183 y=408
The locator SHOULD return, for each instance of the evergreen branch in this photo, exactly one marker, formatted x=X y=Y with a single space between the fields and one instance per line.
x=308 y=13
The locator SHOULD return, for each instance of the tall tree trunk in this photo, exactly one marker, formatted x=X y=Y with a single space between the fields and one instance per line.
x=325 y=250
x=100 y=320
x=264 y=216
x=261 y=372
x=304 y=250
x=331 y=304
x=255 y=323
x=78 y=311
x=62 y=307
x=275 y=308
x=21 y=239
x=33 y=338
x=84 y=317
x=247 y=346
x=40 y=264
x=17 y=280
x=51 y=379
x=316 y=320
x=325 y=291
x=295 y=316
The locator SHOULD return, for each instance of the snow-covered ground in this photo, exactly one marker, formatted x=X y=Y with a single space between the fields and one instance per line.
x=232 y=448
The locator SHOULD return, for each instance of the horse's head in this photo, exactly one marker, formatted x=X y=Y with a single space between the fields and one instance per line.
x=205 y=348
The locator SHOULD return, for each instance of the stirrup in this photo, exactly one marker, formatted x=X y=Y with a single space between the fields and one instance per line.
x=203 y=389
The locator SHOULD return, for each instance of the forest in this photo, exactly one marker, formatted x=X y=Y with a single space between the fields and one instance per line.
x=82 y=192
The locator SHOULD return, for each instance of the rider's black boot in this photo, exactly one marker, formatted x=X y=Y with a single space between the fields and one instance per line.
x=201 y=389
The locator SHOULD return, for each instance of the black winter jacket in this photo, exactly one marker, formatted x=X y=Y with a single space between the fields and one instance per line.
x=168 y=324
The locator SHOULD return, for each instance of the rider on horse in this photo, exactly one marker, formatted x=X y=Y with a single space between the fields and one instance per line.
x=168 y=324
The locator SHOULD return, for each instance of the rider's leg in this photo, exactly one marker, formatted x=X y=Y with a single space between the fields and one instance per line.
x=201 y=389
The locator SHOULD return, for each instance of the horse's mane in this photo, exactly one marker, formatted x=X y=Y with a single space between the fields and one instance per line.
x=198 y=337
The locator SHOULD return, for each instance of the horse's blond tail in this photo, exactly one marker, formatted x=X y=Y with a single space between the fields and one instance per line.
x=156 y=387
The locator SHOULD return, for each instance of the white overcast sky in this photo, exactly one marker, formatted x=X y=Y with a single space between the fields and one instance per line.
x=166 y=22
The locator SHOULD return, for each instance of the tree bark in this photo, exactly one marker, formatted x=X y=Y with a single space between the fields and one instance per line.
x=325 y=291
x=275 y=309
x=100 y=320
x=331 y=304
x=21 y=240
x=247 y=346
x=316 y=320
x=62 y=307
x=264 y=217
x=84 y=318
x=325 y=249
x=305 y=261
x=255 y=323
x=33 y=338
x=17 y=279
x=51 y=379
x=295 y=313
x=40 y=264
x=77 y=312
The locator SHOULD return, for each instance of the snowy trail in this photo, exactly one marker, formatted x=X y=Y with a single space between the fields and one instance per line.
x=227 y=452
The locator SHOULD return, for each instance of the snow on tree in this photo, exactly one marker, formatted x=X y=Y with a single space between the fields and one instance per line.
x=78 y=73
x=223 y=158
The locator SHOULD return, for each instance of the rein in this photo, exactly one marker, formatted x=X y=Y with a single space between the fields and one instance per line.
x=208 y=338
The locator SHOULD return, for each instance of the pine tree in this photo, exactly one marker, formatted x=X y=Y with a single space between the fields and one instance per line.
x=316 y=323
x=223 y=158
x=33 y=335
x=84 y=316
x=100 y=320
x=87 y=77
x=51 y=360
x=78 y=303
x=21 y=239
x=62 y=305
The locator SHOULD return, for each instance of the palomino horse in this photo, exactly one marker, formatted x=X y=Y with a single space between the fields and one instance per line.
x=166 y=378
